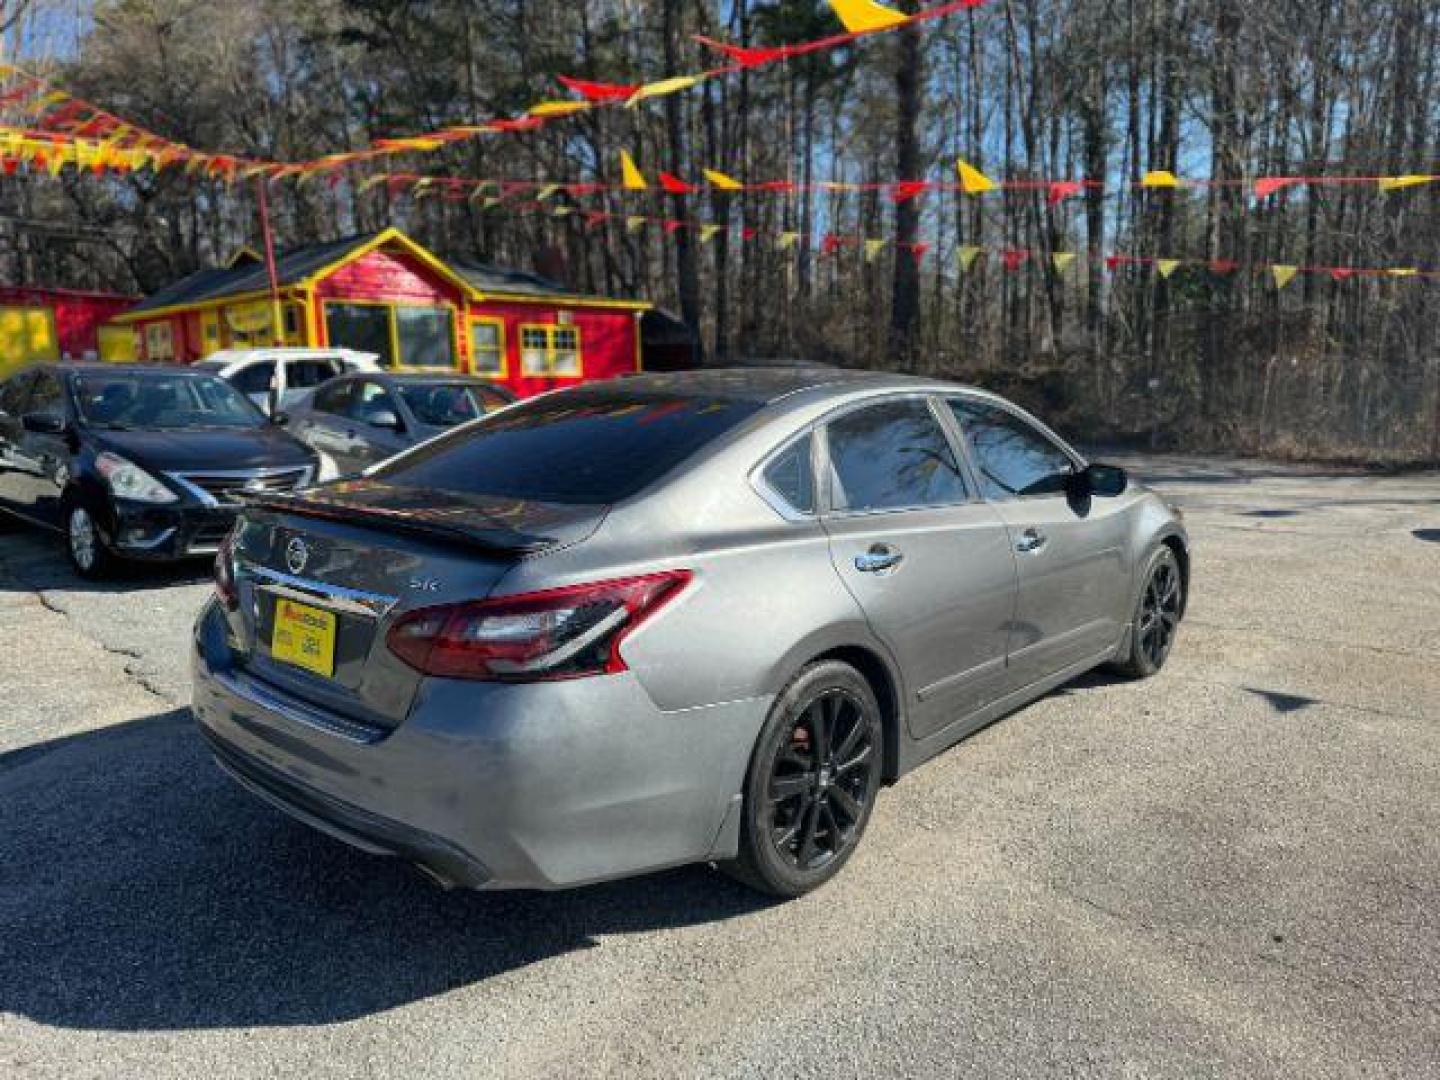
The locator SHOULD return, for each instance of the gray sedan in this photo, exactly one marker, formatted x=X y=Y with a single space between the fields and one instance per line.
x=671 y=619
x=356 y=420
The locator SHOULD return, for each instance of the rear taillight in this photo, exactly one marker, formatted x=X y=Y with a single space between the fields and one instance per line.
x=557 y=634
x=225 y=573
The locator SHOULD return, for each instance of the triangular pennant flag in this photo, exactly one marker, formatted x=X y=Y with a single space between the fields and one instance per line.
x=1395 y=183
x=674 y=185
x=708 y=233
x=918 y=250
x=1283 y=275
x=972 y=180
x=1268 y=185
x=632 y=179
x=747 y=57
x=1060 y=190
x=634 y=224
x=1166 y=267
x=968 y=255
x=831 y=244
x=1160 y=178
x=719 y=180
x=546 y=191
x=1403 y=271
x=1014 y=258
x=787 y=240
x=1223 y=266
x=1341 y=273
x=873 y=249
x=864 y=16
x=490 y=203
x=905 y=190
x=663 y=87
x=1062 y=259
x=365 y=185
x=557 y=108
x=595 y=91
x=562 y=211
x=672 y=226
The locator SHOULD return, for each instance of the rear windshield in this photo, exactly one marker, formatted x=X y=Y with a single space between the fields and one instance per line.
x=585 y=447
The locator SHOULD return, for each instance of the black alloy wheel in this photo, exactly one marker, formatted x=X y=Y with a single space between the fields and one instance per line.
x=813 y=781
x=1157 y=618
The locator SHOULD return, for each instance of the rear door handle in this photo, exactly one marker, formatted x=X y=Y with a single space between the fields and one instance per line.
x=879 y=558
x=1031 y=540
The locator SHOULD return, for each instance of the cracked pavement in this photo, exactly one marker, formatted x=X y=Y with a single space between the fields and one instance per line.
x=1230 y=870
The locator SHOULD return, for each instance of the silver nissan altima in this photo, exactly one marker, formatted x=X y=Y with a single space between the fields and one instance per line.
x=670 y=619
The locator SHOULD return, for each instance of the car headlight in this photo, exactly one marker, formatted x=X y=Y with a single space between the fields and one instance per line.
x=128 y=481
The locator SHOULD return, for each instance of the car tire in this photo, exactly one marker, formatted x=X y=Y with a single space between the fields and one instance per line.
x=85 y=547
x=812 y=782
x=1157 y=616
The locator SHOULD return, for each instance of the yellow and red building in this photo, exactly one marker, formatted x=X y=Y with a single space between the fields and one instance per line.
x=386 y=294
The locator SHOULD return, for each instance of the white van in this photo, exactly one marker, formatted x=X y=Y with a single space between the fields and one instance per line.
x=284 y=375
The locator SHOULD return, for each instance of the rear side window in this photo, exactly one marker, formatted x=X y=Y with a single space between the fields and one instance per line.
x=587 y=447
x=48 y=397
x=334 y=399
x=790 y=476
x=892 y=456
x=303 y=374
x=254 y=379
x=12 y=394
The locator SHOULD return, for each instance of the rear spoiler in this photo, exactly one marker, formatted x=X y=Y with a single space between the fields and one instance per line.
x=420 y=523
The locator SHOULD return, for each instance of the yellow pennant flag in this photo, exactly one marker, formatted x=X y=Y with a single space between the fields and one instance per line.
x=862 y=16
x=1167 y=266
x=1061 y=259
x=1403 y=271
x=635 y=224
x=557 y=108
x=873 y=249
x=1395 y=183
x=968 y=255
x=663 y=87
x=1160 y=178
x=972 y=180
x=55 y=160
x=546 y=191
x=708 y=233
x=490 y=203
x=787 y=240
x=562 y=211
x=368 y=183
x=632 y=179
x=719 y=180
x=1283 y=275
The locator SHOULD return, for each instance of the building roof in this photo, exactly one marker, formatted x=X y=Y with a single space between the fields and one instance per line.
x=247 y=276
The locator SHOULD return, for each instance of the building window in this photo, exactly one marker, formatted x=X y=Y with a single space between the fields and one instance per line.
x=365 y=327
x=487 y=347
x=425 y=337
x=159 y=341
x=402 y=336
x=550 y=350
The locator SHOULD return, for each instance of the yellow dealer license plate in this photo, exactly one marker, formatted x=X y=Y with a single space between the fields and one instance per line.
x=304 y=636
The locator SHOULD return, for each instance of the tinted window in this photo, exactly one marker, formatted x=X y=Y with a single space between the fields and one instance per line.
x=369 y=401
x=790 y=476
x=425 y=336
x=448 y=404
x=586 y=447
x=48 y=396
x=155 y=401
x=1011 y=456
x=303 y=374
x=12 y=394
x=334 y=398
x=254 y=379
x=890 y=456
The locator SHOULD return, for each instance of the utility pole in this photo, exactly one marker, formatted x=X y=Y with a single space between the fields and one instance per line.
x=277 y=328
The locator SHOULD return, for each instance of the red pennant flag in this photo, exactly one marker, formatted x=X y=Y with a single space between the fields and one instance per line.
x=1223 y=266
x=522 y=123
x=1060 y=190
x=1268 y=185
x=594 y=219
x=746 y=57
x=775 y=185
x=917 y=252
x=673 y=226
x=830 y=245
x=1114 y=262
x=748 y=234
x=598 y=91
x=11 y=165
x=674 y=185
x=1014 y=258
x=580 y=190
x=1340 y=273
x=906 y=190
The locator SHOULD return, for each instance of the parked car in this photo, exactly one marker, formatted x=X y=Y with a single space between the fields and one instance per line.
x=283 y=375
x=356 y=420
x=669 y=619
x=137 y=462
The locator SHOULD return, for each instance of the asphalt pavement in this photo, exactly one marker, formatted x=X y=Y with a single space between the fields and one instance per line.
x=1232 y=869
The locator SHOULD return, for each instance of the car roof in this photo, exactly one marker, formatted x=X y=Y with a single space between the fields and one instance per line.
x=124 y=369
x=425 y=378
x=764 y=385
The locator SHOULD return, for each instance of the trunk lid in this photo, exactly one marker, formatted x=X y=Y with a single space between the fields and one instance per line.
x=351 y=558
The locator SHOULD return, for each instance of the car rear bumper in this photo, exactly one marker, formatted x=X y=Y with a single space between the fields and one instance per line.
x=545 y=785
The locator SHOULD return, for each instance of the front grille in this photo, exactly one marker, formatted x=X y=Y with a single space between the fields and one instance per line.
x=229 y=488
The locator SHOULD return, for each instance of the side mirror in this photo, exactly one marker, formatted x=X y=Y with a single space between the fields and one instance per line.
x=44 y=423
x=1106 y=481
x=386 y=419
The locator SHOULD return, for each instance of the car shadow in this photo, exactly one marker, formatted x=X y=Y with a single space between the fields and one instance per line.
x=36 y=561
x=141 y=890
